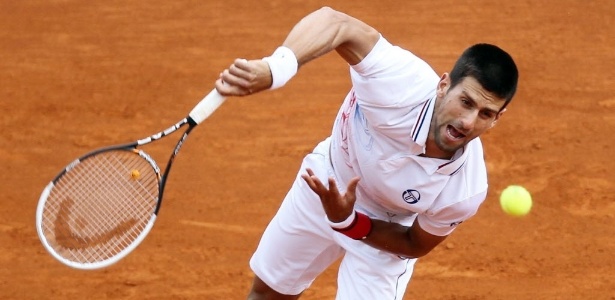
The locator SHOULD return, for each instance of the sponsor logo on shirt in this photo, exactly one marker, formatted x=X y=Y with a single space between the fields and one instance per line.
x=411 y=196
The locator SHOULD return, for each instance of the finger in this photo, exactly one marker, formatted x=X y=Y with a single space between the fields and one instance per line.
x=333 y=188
x=232 y=78
x=309 y=181
x=240 y=69
x=352 y=185
x=314 y=183
x=318 y=184
x=243 y=64
x=316 y=179
x=313 y=180
x=224 y=88
x=308 y=177
x=351 y=190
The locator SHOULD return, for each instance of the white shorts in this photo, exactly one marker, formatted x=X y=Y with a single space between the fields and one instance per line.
x=298 y=245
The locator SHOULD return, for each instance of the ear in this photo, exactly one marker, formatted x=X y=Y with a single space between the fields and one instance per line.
x=497 y=118
x=443 y=85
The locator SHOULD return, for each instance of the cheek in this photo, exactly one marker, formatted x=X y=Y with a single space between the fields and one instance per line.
x=451 y=109
x=482 y=126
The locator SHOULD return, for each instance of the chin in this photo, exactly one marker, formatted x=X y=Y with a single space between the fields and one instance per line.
x=450 y=149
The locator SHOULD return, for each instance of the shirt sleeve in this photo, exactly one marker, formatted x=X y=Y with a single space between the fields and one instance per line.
x=444 y=221
x=390 y=81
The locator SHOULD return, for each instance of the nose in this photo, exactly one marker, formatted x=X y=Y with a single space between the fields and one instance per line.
x=467 y=120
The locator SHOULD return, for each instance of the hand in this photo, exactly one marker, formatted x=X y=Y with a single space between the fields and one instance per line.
x=244 y=77
x=337 y=207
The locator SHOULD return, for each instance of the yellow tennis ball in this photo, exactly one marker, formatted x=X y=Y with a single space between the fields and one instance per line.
x=516 y=200
x=135 y=174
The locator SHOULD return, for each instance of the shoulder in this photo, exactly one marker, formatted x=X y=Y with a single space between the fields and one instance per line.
x=462 y=196
x=390 y=76
x=389 y=58
x=466 y=189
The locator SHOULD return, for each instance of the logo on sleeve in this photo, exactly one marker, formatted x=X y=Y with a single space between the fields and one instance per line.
x=411 y=196
x=456 y=223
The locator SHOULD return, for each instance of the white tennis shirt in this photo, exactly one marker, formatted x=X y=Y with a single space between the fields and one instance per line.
x=378 y=135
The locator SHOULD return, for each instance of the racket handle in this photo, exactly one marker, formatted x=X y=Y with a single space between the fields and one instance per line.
x=207 y=106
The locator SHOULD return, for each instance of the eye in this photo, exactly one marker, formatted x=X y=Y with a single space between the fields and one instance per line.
x=487 y=114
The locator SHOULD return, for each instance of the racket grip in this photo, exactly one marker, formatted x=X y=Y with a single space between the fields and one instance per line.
x=206 y=107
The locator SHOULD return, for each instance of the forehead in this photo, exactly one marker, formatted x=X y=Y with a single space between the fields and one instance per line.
x=471 y=88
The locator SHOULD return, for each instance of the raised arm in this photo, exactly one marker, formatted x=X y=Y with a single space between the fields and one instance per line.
x=325 y=30
x=318 y=33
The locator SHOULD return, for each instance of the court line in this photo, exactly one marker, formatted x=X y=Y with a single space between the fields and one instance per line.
x=221 y=226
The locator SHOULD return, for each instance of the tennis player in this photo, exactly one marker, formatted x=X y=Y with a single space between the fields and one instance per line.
x=402 y=168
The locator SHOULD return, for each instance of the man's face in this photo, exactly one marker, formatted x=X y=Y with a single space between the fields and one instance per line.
x=462 y=113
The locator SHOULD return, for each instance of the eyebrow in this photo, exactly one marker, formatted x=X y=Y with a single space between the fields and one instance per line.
x=465 y=94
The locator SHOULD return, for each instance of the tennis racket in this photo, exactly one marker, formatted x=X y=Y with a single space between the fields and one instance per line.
x=101 y=206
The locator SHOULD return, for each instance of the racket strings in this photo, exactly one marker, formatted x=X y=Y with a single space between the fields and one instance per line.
x=101 y=206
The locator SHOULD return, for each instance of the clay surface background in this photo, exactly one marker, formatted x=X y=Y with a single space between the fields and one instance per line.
x=78 y=75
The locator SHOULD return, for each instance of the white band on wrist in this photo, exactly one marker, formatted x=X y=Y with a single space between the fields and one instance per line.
x=283 y=65
x=343 y=224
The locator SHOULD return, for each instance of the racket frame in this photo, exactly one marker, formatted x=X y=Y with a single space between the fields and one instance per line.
x=162 y=179
x=199 y=113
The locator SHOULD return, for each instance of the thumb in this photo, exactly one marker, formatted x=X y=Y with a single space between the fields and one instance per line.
x=352 y=188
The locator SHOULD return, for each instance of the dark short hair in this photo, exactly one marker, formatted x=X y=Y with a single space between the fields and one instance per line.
x=491 y=66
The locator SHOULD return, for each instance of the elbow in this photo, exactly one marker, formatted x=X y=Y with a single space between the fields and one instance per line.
x=419 y=253
x=332 y=15
x=328 y=11
x=411 y=253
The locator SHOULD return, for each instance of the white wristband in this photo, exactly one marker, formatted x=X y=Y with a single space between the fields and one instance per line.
x=283 y=65
x=343 y=224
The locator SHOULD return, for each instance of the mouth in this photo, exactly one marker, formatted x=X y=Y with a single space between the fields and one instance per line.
x=453 y=133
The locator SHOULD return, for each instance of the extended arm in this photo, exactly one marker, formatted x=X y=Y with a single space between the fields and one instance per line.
x=410 y=242
x=316 y=34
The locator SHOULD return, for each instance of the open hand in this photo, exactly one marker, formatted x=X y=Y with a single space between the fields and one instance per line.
x=337 y=207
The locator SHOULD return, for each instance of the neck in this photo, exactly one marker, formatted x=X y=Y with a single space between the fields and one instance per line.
x=432 y=150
